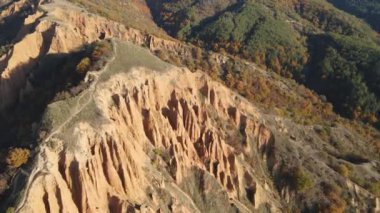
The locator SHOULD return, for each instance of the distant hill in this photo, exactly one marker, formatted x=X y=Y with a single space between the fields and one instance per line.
x=329 y=50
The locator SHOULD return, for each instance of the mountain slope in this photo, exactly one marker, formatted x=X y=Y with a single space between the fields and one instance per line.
x=153 y=123
x=118 y=129
x=368 y=10
x=288 y=37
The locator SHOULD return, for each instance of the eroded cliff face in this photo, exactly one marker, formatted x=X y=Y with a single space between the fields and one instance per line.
x=149 y=140
x=60 y=27
x=156 y=143
x=147 y=136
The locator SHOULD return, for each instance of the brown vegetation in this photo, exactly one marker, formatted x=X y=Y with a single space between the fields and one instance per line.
x=304 y=107
x=17 y=157
x=336 y=203
x=83 y=66
x=343 y=170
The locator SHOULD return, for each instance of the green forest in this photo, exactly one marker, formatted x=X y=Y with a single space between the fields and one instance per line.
x=366 y=9
x=321 y=44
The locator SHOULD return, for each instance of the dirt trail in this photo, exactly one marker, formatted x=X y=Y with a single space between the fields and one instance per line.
x=41 y=164
x=90 y=91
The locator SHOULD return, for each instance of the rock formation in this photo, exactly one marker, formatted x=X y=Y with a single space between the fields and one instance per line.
x=61 y=28
x=147 y=136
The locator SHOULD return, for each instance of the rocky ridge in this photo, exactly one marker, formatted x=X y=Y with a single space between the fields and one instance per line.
x=163 y=138
x=61 y=27
x=156 y=133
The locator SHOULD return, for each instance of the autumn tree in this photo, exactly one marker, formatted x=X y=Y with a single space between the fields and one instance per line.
x=17 y=157
x=83 y=66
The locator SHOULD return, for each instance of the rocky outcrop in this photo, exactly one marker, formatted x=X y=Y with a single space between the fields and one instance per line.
x=61 y=27
x=150 y=141
x=156 y=141
x=10 y=8
x=158 y=144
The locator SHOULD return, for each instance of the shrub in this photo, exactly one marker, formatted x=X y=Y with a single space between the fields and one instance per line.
x=83 y=66
x=324 y=133
x=337 y=204
x=100 y=51
x=333 y=194
x=4 y=49
x=358 y=179
x=294 y=177
x=377 y=145
x=3 y=185
x=17 y=157
x=343 y=170
x=214 y=72
x=10 y=210
x=374 y=188
x=302 y=180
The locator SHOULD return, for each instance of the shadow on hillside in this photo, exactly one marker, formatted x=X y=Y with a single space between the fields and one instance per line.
x=52 y=75
x=11 y=25
x=157 y=6
x=53 y=78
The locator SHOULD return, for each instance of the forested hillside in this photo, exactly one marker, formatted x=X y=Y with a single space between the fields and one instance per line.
x=366 y=9
x=312 y=41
